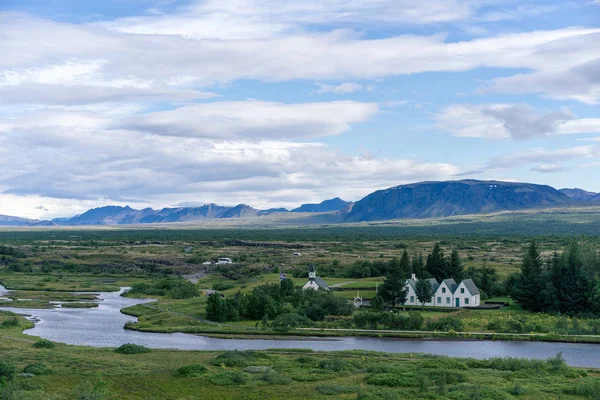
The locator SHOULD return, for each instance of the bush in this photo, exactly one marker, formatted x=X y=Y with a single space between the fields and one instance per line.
x=130 y=348
x=392 y=380
x=336 y=365
x=228 y=378
x=445 y=324
x=44 y=344
x=221 y=286
x=190 y=371
x=274 y=378
x=7 y=371
x=330 y=390
x=37 y=369
x=10 y=323
x=239 y=358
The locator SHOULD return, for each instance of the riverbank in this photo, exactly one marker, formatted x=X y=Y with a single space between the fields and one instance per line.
x=64 y=372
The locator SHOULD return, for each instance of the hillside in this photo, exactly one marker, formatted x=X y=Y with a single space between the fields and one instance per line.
x=116 y=215
x=7 y=220
x=335 y=204
x=442 y=199
x=581 y=195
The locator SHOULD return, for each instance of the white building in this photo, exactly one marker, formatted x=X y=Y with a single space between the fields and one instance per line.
x=446 y=294
x=224 y=261
x=314 y=282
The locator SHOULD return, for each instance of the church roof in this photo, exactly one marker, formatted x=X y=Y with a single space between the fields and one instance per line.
x=321 y=283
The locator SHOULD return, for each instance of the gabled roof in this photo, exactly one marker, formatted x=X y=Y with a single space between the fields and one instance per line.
x=471 y=287
x=413 y=283
x=321 y=283
x=311 y=268
x=451 y=283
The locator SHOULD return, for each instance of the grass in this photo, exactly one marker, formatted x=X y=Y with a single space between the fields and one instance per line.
x=79 y=305
x=286 y=373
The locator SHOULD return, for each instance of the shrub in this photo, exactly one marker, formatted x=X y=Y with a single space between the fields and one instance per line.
x=221 y=286
x=37 y=369
x=274 y=378
x=336 y=365
x=392 y=380
x=7 y=371
x=44 y=344
x=445 y=324
x=130 y=348
x=228 y=378
x=239 y=358
x=257 y=369
x=10 y=323
x=190 y=371
x=330 y=390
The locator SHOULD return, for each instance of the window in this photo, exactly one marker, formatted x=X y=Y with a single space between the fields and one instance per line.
x=462 y=290
x=439 y=300
x=447 y=300
x=466 y=301
x=412 y=299
x=443 y=290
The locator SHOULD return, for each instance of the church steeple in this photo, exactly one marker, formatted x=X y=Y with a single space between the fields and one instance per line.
x=312 y=272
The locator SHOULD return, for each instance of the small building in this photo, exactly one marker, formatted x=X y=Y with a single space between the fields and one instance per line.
x=314 y=282
x=297 y=254
x=224 y=260
x=446 y=294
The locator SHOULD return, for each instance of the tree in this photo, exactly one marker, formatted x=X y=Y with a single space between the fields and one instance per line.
x=529 y=284
x=455 y=267
x=393 y=291
x=216 y=308
x=437 y=264
x=418 y=266
x=286 y=287
x=424 y=291
x=573 y=287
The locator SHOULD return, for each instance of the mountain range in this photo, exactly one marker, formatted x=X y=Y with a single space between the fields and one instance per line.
x=416 y=200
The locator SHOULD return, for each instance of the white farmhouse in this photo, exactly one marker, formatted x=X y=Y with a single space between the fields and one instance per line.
x=314 y=282
x=446 y=294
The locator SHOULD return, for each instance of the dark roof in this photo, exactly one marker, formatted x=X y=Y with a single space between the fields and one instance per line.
x=321 y=283
x=471 y=287
x=434 y=284
x=311 y=268
x=451 y=283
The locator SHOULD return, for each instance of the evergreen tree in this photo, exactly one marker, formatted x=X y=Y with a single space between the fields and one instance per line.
x=455 y=267
x=405 y=266
x=286 y=287
x=424 y=291
x=574 y=289
x=216 y=308
x=529 y=284
x=393 y=291
x=418 y=266
x=437 y=264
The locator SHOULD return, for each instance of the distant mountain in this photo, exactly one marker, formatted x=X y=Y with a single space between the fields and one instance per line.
x=580 y=195
x=7 y=220
x=116 y=215
x=335 y=204
x=273 y=211
x=442 y=199
x=43 y=223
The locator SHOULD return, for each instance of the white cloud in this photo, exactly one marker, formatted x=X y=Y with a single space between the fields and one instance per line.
x=343 y=88
x=549 y=168
x=516 y=121
x=254 y=119
x=548 y=157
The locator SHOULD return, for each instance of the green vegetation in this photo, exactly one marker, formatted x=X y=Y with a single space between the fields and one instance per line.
x=130 y=348
x=79 y=305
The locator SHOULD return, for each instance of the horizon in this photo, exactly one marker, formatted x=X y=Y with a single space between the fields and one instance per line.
x=151 y=103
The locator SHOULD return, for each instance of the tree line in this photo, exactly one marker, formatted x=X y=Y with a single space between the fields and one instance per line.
x=563 y=283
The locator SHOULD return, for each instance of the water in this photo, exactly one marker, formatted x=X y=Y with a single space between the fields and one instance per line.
x=103 y=327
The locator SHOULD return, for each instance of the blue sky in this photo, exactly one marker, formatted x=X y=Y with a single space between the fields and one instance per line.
x=162 y=103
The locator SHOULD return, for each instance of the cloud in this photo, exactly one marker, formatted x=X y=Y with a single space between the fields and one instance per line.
x=577 y=78
x=549 y=168
x=343 y=88
x=259 y=19
x=80 y=56
x=548 y=157
x=498 y=121
x=78 y=157
x=254 y=119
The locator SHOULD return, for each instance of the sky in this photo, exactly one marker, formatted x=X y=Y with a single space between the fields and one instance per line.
x=166 y=103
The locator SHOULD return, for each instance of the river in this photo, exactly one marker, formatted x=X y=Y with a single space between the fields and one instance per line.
x=103 y=327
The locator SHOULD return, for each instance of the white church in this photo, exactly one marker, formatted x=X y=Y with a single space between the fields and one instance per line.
x=314 y=282
x=448 y=293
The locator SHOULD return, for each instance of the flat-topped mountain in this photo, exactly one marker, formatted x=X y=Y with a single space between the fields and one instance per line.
x=334 y=204
x=581 y=195
x=442 y=199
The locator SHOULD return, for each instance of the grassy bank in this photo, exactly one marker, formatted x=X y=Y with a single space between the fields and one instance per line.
x=73 y=372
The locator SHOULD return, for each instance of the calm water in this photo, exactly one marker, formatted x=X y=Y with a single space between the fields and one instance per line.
x=103 y=327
